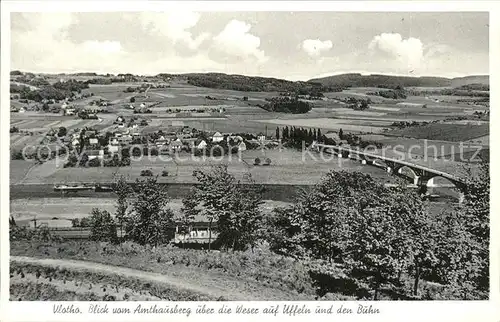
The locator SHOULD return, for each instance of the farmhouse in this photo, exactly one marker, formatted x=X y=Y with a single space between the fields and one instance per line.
x=176 y=145
x=198 y=232
x=217 y=137
x=69 y=111
x=93 y=141
x=95 y=154
x=161 y=141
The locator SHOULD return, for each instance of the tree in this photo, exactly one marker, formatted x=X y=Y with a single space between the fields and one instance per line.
x=151 y=219
x=310 y=135
x=476 y=220
x=319 y=136
x=132 y=99
x=221 y=198
x=62 y=131
x=341 y=134
x=277 y=133
x=189 y=212
x=349 y=219
x=102 y=226
x=123 y=190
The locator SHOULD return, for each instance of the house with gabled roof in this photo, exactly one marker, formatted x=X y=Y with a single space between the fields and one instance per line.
x=217 y=137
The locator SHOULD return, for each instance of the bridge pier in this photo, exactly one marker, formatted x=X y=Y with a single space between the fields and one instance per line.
x=417 y=181
x=430 y=182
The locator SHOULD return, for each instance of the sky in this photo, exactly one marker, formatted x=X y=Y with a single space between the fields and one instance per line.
x=290 y=45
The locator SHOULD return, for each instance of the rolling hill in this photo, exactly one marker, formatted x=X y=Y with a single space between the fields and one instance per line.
x=358 y=80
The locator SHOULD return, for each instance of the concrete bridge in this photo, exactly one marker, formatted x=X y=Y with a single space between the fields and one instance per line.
x=423 y=177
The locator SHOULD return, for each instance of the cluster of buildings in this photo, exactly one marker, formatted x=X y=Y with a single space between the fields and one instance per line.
x=134 y=132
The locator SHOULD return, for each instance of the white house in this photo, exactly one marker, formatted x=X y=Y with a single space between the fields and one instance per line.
x=261 y=137
x=217 y=137
x=75 y=142
x=95 y=154
x=22 y=110
x=93 y=141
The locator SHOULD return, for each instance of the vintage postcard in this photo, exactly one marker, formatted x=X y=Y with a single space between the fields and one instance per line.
x=208 y=160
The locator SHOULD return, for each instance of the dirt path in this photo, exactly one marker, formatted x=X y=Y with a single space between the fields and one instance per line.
x=208 y=284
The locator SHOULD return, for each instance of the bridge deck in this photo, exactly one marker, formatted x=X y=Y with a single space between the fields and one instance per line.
x=384 y=158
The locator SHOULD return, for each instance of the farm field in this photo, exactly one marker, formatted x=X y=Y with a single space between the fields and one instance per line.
x=449 y=132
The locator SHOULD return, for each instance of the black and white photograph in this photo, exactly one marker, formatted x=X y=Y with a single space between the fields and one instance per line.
x=196 y=155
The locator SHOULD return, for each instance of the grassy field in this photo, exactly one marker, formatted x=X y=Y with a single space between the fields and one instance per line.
x=287 y=167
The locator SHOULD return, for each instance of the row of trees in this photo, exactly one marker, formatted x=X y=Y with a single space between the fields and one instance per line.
x=294 y=136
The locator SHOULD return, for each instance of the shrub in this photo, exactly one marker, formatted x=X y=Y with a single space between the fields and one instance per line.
x=164 y=173
x=146 y=173
x=267 y=161
x=256 y=161
x=102 y=226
